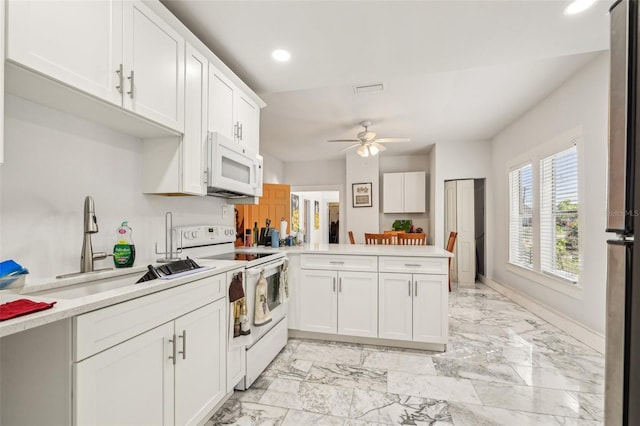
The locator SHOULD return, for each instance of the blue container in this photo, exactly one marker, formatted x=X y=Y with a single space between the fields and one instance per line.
x=274 y=238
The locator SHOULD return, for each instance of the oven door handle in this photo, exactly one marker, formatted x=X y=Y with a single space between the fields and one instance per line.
x=262 y=268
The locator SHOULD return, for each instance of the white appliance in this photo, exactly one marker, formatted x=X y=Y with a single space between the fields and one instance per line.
x=232 y=171
x=216 y=242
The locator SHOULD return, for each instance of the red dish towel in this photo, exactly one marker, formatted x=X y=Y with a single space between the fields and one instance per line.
x=22 y=307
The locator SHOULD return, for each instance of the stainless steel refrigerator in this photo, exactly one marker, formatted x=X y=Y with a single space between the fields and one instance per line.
x=622 y=370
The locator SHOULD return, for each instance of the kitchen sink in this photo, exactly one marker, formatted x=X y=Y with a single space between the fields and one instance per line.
x=90 y=288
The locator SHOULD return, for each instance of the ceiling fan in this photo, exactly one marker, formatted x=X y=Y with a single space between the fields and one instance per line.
x=367 y=142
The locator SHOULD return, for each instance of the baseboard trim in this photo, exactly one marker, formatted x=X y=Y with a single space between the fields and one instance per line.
x=439 y=347
x=570 y=326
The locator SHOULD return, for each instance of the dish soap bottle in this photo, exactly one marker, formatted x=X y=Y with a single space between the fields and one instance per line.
x=124 y=252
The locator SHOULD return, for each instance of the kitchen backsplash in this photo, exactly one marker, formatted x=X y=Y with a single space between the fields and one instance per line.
x=52 y=161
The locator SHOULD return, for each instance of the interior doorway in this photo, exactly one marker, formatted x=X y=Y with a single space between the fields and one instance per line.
x=334 y=222
x=316 y=217
x=465 y=214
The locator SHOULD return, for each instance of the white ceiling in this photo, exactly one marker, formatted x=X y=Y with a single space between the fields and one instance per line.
x=453 y=70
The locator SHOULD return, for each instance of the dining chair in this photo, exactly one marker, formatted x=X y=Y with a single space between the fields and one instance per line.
x=351 y=239
x=394 y=236
x=385 y=239
x=415 y=239
x=450 y=245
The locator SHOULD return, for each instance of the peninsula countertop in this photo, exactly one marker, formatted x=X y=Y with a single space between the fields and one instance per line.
x=356 y=249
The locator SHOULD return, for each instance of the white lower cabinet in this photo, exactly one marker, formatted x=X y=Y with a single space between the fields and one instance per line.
x=413 y=307
x=339 y=302
x=172 y=374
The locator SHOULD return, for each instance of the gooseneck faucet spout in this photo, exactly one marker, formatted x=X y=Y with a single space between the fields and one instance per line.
x=90 y=227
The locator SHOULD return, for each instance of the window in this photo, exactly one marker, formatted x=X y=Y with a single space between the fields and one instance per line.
x=521 y=217
x=559 y=214
x=544 y=214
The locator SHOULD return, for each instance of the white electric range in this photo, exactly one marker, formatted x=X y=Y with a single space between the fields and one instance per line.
x=215 y=242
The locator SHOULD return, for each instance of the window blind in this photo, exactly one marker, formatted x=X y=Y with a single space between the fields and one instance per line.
x=559 y=242
x=521 y=217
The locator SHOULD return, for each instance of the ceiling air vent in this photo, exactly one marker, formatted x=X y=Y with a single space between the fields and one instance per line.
x=368 y=88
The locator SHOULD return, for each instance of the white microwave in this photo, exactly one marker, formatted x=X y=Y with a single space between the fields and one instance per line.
x=233 y=171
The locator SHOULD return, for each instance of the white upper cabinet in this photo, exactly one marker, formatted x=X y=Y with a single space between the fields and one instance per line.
x=153 y=67
x=77 y=43
x=120 y=52
x=232 y=113
x=404 y=192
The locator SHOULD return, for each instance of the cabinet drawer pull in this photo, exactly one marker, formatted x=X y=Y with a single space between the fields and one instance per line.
x=335 y=262
x=334 y=284
x=340 y=285
x=415 y=286
x=130 y=78
x=183 y=336
x=173 y=349
x=412 y=264
x=409 y=282
x=120 y=77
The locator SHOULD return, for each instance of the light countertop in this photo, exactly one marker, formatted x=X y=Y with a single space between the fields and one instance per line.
x=357 y=249
x=69 y=307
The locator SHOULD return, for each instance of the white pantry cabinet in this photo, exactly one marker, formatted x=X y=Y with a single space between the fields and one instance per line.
x=232 y=113
x=404 y=192
x=413 y=306
x=119 y=51
x=335 y=300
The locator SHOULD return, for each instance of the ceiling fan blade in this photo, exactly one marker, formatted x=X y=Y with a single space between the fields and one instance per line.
x=387 y=140
x=343 y=140
x=349 y=147
x=379 y=146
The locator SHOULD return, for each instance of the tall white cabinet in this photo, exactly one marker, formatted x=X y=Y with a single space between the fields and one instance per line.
x=404 y=192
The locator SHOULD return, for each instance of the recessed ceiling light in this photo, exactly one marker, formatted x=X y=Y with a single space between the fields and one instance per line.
x=281 y=55
x=577 y=6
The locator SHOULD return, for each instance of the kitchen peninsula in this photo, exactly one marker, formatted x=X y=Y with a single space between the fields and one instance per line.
x=377 y=294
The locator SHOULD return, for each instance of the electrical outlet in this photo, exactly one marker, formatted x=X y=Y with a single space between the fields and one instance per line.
x=227 y=213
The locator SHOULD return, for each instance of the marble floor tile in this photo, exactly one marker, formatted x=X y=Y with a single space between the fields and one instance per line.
x=307 y=396
x=434 y=387
x=235 y=412
x=593 y=403
x=554 y=378
x=568 y=421
x=288 y=368
x=348 y=376
x=300 y=418
x=478 y=415
x=463 y=369
x=530 y=399
x=398 y=361
x=387 y=408
x=328 y=353
x=255 y=392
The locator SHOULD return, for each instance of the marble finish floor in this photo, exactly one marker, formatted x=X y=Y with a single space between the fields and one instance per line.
x=503 y=366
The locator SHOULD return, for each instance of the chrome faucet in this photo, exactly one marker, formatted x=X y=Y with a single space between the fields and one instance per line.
x=87 y=257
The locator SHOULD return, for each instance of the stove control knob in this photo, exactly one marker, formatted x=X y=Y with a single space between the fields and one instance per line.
x=194 y=234
x=185 y=235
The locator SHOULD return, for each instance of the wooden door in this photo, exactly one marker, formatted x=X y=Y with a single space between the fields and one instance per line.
x=274 y=204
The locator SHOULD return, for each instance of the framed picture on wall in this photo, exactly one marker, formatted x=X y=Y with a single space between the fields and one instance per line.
x=361 y=193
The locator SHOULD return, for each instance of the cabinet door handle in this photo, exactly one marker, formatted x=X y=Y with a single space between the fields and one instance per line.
x=130 y=78
x=412 y=264
x=415 y=288
x=240 y=131
x=173 y=349
x=183 y=336
x=409 y=282
x=235 y=130
x=334 y=284
x=340 y=285
x=120 y=77
x=205 y=175
x=335 y=262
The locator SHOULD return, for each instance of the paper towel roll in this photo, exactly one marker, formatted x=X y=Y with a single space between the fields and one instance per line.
x=283 y=228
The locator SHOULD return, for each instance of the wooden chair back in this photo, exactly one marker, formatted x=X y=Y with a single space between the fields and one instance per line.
x=394 y=236
x=351 y=239
x=385 y=239
x=415 y=239
x=451 y=243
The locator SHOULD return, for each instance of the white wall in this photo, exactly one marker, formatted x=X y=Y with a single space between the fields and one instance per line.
x=362 y=219
x=273 y=169
x=458 y=160
x=314 y=173
x=405 y=163
x=580 y=102
x=53 y=160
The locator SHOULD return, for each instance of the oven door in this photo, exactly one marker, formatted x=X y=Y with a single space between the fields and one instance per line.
x=277 y=307
x=232 y=169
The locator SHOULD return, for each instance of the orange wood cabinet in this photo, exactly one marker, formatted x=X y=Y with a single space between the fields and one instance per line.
x=274 y=204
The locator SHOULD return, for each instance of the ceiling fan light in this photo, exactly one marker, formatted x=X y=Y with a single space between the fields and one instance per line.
x=373 y=150
x=363 y=151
